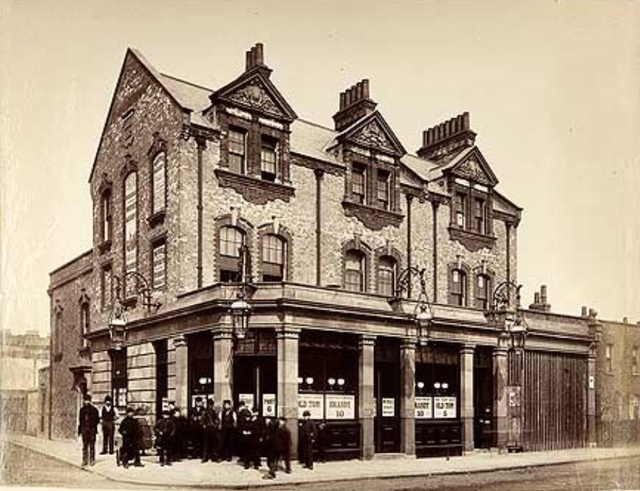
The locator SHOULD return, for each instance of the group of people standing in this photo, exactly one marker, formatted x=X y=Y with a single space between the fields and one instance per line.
x=208 y=432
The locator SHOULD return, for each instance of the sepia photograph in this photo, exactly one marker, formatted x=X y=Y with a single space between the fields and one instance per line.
x=320 y=245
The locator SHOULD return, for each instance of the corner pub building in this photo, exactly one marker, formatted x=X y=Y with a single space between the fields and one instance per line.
x=201 y=194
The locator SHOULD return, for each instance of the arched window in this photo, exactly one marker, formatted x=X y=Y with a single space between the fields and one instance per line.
x=131 y=222
x=231 y=239
x=483 y=291
x=159 y=183
x=458 y=288
x=85 y=320
x=106 y=212
x=387 y=268
x=274 y=251
x=354 y=271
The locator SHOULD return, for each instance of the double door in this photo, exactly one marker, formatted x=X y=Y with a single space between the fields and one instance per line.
x=387 y=420
x=255 y=382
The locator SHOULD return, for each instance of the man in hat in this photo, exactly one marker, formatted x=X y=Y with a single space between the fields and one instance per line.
x=88 y=419
x=228 y=419
x=164 y=431
x=210 y=426
x=308 y=435
x=130 y=431
x=108 y=415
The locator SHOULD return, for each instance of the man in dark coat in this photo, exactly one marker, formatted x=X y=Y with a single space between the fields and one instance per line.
x=195 y=428
x=108 y=416
x=228 y=420
x=164 y=431
x=210 y=425
x=242 y=440
x=88 y=419
x=253 y=436
x=180 y=435
x=130 y=431
x=278 y=447
x=308 y=435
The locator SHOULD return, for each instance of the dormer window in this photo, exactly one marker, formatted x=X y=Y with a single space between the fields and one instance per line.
x=268 y=158
x=237 y=151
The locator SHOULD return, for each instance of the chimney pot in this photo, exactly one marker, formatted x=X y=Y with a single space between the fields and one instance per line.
x=543 y=293
x=259 y=51
x=584 y=311
x=536 y=298
x=248 y=59
x=465 y=120
x=359 y=91
x=365 y=88
x=625 y=320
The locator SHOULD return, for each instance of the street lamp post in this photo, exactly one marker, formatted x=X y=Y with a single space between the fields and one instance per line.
x=506 y=315
x=117 y=317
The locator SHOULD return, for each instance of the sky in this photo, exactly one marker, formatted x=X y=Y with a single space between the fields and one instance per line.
x=553 y=88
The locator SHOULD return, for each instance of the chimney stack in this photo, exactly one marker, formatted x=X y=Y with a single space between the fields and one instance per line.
x=625 y=320
x=355 y=103
x=584 y=311
x=255 y=57
x=446 y=138
x=540 y=301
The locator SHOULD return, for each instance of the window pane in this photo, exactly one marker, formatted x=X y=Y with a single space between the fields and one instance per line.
x=131 y=223
x=159 y=183
x=268 y=158
x=354 y=271
x=358 y=184
x=386 y=276
x=159 y=266
x=273 y=249
x=231 y=239
x=383 y=190
x=106 y=216
x=237 y=151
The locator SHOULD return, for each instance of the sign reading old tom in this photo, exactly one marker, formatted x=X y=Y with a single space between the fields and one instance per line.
x=444 y=407
x=314 y=403
x=340 y=406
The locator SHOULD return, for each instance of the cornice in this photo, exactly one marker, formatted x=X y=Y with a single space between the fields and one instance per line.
x=256 y=191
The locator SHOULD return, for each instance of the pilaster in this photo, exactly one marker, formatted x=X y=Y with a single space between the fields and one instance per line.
x=222 y=364
x=407 y=396
x=287 y=347
x=182 y=372
x=366 y=401
x=466 y=395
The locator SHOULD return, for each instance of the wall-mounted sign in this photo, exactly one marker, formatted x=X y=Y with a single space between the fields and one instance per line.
x=269 y=405
x=340 y=406
x=444 y=407
x=592 y=382
x=314 y=403
x=248 y=399
x=388 y=407
x=424 y=407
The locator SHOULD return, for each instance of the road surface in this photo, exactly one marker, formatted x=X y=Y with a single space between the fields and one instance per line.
x=21 y=467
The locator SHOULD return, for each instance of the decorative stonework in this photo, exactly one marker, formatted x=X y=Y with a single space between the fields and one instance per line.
x=255 y=96
x=372 y=218
x=254 y=190
x=471 y=241
x=472 y=170
x=373 y=136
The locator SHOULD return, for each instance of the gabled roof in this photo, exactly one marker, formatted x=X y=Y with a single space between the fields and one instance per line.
x=373 y=130
x=468 y=163
x=254 y=90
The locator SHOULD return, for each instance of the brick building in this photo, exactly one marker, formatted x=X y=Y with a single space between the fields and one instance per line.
x=185 y=177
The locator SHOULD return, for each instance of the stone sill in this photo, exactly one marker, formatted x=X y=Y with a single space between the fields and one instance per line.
x=372 y=217
x=252 y=189
x=472 y=241
x=157 y=218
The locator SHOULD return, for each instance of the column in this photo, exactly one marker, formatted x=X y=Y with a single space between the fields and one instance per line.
x=222 y=364
x=500 y=382
x=466 y=395
x=287 y=339
x=592 y=434
x=366 y=401
x=182 y=372
x=407 y=397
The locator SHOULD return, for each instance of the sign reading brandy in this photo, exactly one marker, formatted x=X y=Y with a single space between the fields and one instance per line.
x=340 y=406
x=424 y=407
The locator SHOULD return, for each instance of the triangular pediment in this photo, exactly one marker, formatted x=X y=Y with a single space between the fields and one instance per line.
x=254 y=91
x=372 y=131
x=474 y=167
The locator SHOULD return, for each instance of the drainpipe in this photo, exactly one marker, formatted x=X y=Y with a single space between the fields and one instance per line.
x=319 y=175
x=201 y=146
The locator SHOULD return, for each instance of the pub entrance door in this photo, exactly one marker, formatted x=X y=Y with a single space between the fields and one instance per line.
x=483 y=429
x=255 y=378
x=387 y=393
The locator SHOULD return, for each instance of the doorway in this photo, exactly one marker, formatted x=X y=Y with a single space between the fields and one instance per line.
x=386 y=391
x=483 y=428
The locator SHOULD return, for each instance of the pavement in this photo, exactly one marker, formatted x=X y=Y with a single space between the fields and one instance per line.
x=227 y=475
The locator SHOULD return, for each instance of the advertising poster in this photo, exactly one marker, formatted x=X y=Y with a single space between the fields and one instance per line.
x=445 y=407
x=248 y=399
x=314 y=403
x=424 y=409
x=340 y=406
x=269 y=405
x=388 y=407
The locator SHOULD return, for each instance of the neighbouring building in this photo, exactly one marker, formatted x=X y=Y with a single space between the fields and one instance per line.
x=186 y=178
x=22 y=398
x=618 y=379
